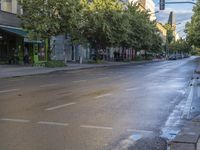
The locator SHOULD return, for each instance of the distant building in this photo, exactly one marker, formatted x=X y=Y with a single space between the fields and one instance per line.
x=10 y=6
x=147 y=5
x=162 y=31
x=62 y=48
x=172 y=22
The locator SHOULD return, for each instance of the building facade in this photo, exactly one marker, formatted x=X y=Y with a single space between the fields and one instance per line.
x=15 y=47
x=63 y=49
x=172 y=22
x=145 y=5
x=10 y=6
x=162 y=31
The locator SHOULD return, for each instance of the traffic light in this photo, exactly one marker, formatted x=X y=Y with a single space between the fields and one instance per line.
x=162 y=4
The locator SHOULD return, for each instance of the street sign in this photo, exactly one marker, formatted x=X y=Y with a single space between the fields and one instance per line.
x=162 y=4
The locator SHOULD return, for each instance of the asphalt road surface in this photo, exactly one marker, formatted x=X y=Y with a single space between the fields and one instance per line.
x=91 y=109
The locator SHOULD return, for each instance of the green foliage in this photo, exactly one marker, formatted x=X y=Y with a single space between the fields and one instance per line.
x=170 y=36
x=180 y=46
x=45 y=18
x=139 y=58
x=193 y=28
x=3 y=62
x=195 y=51
x=156 y=42
x=101 y=23
x=54 y=63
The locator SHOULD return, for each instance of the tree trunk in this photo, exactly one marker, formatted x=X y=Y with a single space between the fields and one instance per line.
x=136 y=53
x=145 y=54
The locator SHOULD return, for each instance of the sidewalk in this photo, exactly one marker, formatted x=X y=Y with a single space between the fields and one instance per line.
x=189 y=136
x=16 y=71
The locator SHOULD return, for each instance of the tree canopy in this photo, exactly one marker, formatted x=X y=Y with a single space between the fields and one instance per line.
x=101 y=23
x=193 y=27
x=181 y=45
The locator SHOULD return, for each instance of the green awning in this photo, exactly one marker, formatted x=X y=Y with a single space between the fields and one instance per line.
x=17 y=31
x=26 y=40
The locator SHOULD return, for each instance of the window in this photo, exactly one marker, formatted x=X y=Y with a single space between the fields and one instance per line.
x=7 y=6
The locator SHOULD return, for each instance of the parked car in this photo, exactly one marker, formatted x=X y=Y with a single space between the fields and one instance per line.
x=172 y=57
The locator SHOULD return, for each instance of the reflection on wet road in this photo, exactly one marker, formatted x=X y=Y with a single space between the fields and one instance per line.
x=93 y=109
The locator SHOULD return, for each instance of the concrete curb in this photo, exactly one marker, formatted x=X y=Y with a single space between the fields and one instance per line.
x=188 y=137
x=198 y=69
x=52 y=70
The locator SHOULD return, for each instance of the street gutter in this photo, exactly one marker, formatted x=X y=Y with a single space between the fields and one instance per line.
x=66 y=69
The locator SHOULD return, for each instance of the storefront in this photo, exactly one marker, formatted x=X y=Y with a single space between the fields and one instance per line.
x=16 y=48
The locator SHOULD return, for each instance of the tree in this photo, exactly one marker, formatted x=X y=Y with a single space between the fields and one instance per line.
x=157 y=41
x=102 y=19
x=46 y=18
x=142 y=31
x=181 y=46
x=101 y=23
x=193 y=28
x=170 y=30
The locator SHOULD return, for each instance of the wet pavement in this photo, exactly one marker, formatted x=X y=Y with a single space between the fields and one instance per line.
x=94 y=109
x=27 y=70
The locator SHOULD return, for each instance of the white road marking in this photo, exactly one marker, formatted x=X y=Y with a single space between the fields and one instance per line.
x=48 y=85
x=15 y=120
x=139 y=131
x=20 y=79
x=96 y=127
x=66 y=94
x=59 y=106
x=103 y=95
x=78 y=81
x=102 y=78
x=136 y=137
x=52 y=123
x=8 y=91
x=139 y=66
x=131 y=89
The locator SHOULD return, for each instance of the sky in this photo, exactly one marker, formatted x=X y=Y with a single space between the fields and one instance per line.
x=182 y=12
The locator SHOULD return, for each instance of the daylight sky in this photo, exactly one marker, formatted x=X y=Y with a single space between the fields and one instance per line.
x=183 y=13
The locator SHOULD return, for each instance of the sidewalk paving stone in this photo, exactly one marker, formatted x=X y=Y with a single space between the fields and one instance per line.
x=188 y=137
